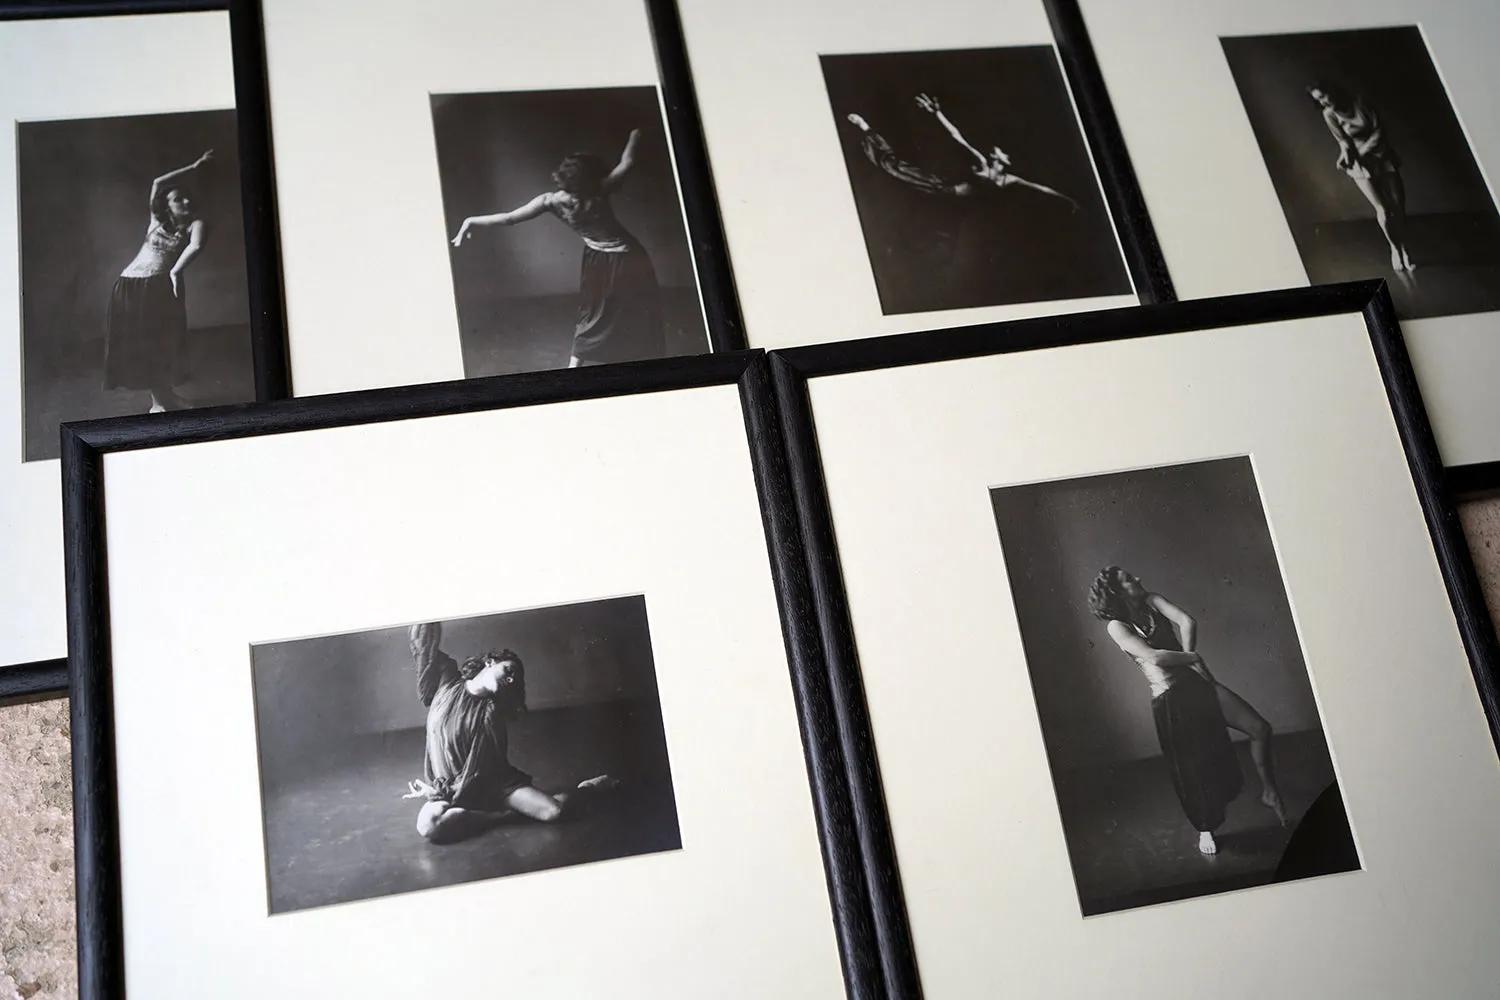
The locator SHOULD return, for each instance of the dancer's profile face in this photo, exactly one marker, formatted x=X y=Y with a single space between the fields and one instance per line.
x=493 y=678
x=179 y=204
x=1321 y=97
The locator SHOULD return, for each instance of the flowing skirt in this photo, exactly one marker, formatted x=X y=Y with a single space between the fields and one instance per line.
x=1195 y=744
x=620 y=318
x=145 y=335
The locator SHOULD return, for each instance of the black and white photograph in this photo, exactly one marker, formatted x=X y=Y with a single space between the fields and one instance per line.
x=1181 y=727
x=134 y=296
x=569 y=246
x=412 y=757
x=1371 y=165
x=972 y=181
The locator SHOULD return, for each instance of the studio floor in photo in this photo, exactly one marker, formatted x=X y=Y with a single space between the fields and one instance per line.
x=221 y=371
x=343 y=832
x=1457 y=260
x=536 y=333
x=1132 y=846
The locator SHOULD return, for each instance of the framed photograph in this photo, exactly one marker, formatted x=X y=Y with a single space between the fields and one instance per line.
x=1321 y=142
x=901 y=169
x=1090 y=584
x=476 y=192
x=138 y=262
x=443 y=698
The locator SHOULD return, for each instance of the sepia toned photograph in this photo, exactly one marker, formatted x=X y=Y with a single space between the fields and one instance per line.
x=413 y=757
x=1371 y=165
x=1181 y=727
x=134 y=295
x=569 y=246
x=972 y=180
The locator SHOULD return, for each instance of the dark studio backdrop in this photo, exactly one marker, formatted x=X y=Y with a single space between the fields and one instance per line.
x=1196 y=534
x=932 y=252
x=341 y=730
x=1454 y=229
x=84 y=190
x=517 y=287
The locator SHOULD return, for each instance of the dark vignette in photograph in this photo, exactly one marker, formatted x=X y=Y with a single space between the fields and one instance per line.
x=1371 y=165
x=413 y=757
x=972 y=180
x=134 y=295
x=566 y=218
x=1182 y=733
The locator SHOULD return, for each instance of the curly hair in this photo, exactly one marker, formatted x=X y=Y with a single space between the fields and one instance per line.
x=1106 y=601
x=581 y=174
x=159 y=209
x=1338 y=95
x=514 y=693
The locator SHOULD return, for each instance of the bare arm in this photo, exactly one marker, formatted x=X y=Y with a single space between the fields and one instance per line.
x=197 y=233
x=1137 y=647
x=930 y=104
x=164 y=183
x=617 y=176
x=1187 y=628
x=525 y=213
x=1345 y=149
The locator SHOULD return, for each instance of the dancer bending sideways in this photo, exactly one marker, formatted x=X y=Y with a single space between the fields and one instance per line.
x=1370 y=161
x=467 y=777
x=146 y=326
x=1193 y=711
x=620 y=317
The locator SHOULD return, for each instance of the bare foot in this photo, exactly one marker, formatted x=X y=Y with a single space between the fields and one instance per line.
x=1206 y=843
x=601 y=783
x=1272 y=801
x=1406 y=259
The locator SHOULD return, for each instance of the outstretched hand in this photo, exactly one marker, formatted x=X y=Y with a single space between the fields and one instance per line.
x=207 y=156
x=928 y=103
x=858 y=121
x=464 y=232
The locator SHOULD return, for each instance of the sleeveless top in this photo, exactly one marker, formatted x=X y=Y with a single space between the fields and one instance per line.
x=1362 y=129
x=160 y=251
x=593 y=219
x=1158 y=634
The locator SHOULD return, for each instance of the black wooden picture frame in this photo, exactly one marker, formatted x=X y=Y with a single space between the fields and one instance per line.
x=258 y=204
x=793 y=370
x=98 y=876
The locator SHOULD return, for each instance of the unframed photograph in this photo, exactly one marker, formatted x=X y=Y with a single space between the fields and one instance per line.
x=1371 y=165
x=569 y=246
x=972 y=179
x=134 y=295
x=1182 y=732
x=413 y=757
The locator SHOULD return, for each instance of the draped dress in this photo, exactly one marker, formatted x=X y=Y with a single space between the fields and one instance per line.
x=146 y=326
x=620 y=315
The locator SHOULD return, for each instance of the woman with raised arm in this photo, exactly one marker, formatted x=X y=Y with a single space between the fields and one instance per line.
x=1370 y=161
x=994 y=168
x=878 y=150
x=1193 y=711
x=146 y=326
x=620 y=317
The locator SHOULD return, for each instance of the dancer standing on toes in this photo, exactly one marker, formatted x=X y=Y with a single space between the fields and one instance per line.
x=467 y=777
x=146 y=326
x=1191 y=708
x=994 y=168
x=1371 y=162
x=620 y=317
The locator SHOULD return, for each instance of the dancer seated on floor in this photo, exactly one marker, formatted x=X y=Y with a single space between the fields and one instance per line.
x=1193 y=712
x=467 y=777
x=620 y=316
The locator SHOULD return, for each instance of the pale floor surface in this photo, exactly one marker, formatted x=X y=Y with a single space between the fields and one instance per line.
x=36 y=862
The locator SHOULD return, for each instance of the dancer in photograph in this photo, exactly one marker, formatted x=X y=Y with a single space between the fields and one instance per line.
x=878 y=150
x=146 y=326
x=620 y=317
x=1193 y=711
x=995 y=167
x=467 y=777
x=1370 y=161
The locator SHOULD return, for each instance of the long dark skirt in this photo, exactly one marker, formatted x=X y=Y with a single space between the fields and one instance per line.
x=620 y=318
x=1195 y=743
x=145 y=335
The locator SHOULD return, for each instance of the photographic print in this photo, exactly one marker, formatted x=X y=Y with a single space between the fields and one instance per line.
x=1182 y=732
x=569 y=246
x=418 y=756
x=133 y=284
x=1371 y=165
x=971 y=179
